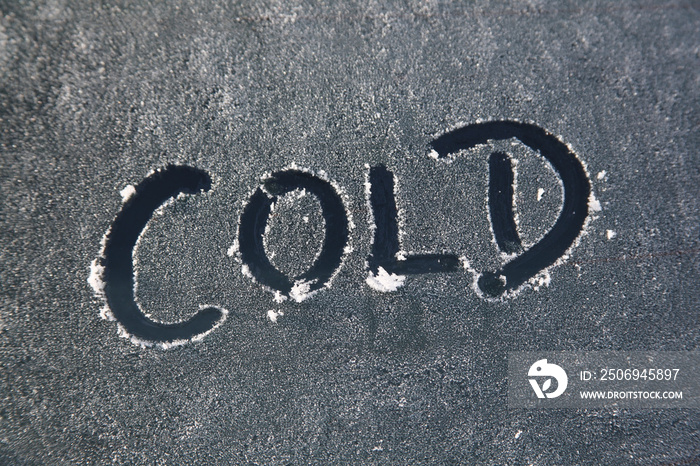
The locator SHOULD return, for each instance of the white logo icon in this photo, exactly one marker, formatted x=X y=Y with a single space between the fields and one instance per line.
x=542 y=369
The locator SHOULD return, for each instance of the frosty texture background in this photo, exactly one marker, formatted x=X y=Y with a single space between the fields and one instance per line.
x=92 y=98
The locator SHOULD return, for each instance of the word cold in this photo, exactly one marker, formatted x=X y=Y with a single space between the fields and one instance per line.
x=116 y=262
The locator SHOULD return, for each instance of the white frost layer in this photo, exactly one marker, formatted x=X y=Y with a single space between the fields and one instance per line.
x=384 y=281
x=610 y=234
x=127 y=192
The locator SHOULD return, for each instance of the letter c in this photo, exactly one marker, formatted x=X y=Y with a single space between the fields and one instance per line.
x=117 y=258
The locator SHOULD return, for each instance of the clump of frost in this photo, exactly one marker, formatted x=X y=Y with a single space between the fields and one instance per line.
x=127 y=192
x=541 y=279
x=384 y=281
x=95 y=279
x=300 y=291
x=273 y=315
x=594 y=204
x=245 y=270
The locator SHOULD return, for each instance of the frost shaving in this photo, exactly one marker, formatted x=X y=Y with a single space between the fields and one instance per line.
x=233 y=249
x=279 y=297
x=541 y=279
x=97 y=283
x=300 y=291
x=466 y=265
x=272 y=315
x=594 y=204
x=106 y=314
x=400 y=213
x=384 y=281
x=127 y=192
x=95 y=278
